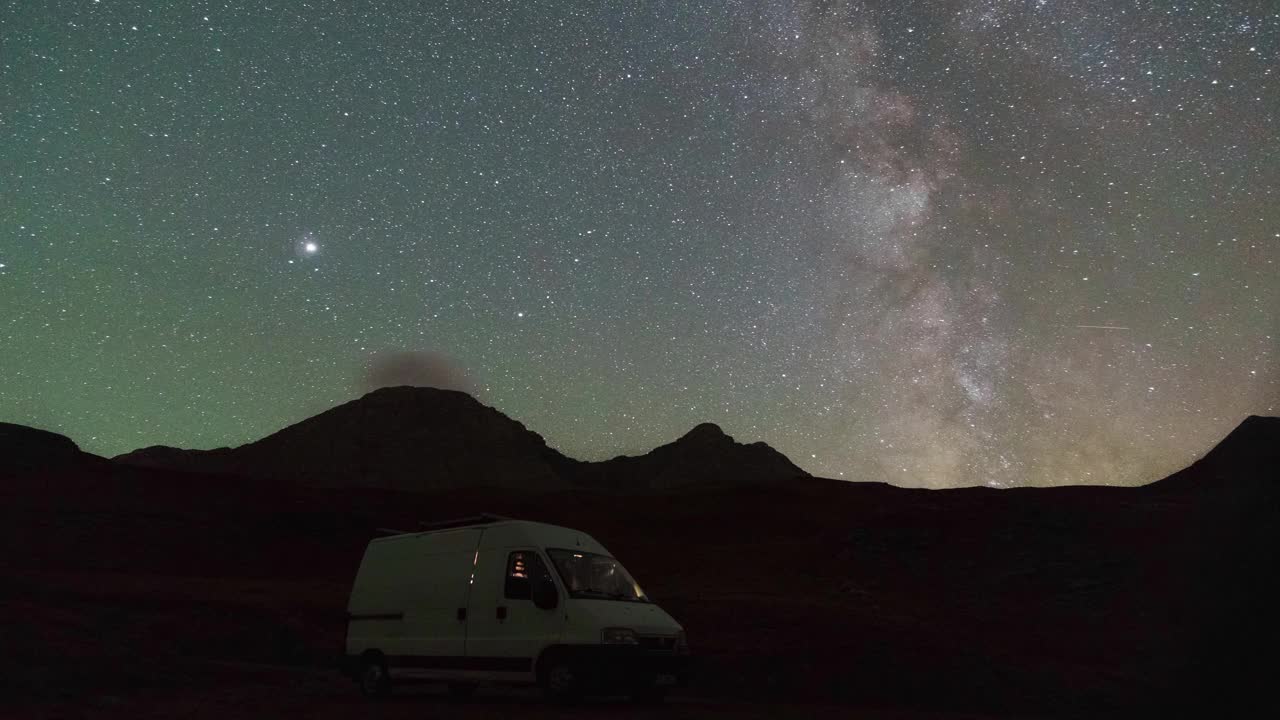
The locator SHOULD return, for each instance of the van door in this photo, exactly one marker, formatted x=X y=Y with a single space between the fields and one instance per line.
x=505 y=630
x=437 y=575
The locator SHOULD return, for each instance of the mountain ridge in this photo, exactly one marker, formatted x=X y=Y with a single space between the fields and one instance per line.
x=24 y=449
x=426 y=438
x=1245 y=452
x=415 y=438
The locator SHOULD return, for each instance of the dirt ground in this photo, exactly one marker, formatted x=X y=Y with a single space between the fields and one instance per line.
x=128 y=595
x=247 y=691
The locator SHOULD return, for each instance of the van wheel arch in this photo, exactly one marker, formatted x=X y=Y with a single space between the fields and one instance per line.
x=549 y=662
x=373 y=678
x=545 y=657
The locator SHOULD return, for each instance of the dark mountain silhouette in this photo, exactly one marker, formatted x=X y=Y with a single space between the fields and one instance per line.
x=1228 y=549
x=703 y=457
x=24 y=449
x=412 y=438
x=405 y=438
x=1248 y=456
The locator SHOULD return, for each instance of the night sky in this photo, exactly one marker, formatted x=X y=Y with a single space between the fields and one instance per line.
x=934 y=244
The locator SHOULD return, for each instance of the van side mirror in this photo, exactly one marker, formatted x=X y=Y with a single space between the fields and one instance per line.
x=545 y=596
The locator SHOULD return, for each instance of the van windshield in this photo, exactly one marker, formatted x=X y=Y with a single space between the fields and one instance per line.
x=588 y=575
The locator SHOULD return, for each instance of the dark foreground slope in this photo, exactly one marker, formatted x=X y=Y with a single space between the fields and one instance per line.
x=128 y=583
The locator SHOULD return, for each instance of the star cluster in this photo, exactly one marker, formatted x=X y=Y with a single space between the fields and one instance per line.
x=1025 y=242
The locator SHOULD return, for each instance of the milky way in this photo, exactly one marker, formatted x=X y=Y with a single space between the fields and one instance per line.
x=934 y=244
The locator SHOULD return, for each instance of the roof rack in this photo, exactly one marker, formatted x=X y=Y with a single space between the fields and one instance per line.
x=481 y=519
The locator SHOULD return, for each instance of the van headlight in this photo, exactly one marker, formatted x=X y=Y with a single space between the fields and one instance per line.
x=619 y=636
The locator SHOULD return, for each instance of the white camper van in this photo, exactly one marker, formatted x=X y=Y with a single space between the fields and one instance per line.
x=491 y=599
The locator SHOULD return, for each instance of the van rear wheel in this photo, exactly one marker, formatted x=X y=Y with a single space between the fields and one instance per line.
x=374 y=680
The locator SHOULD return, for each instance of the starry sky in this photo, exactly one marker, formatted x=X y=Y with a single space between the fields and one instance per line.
x=931 y=243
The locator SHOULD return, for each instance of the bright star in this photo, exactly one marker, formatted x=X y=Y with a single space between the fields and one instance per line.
x=310 y=248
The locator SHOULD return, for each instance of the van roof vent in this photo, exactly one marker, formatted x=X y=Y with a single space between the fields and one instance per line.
x=481 y=519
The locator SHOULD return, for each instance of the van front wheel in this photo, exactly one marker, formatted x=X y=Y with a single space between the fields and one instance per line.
x=560 y=680
x=374 y=680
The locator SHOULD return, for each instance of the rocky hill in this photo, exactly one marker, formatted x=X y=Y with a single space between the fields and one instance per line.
x=703 y=457
x=1248 y=457
x=411 y=438
x=24 y=449
x=403 y=438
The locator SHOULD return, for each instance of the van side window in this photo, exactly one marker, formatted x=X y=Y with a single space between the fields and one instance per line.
x=523 y=568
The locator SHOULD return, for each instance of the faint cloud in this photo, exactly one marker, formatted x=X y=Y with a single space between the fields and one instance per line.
x=417 y=368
